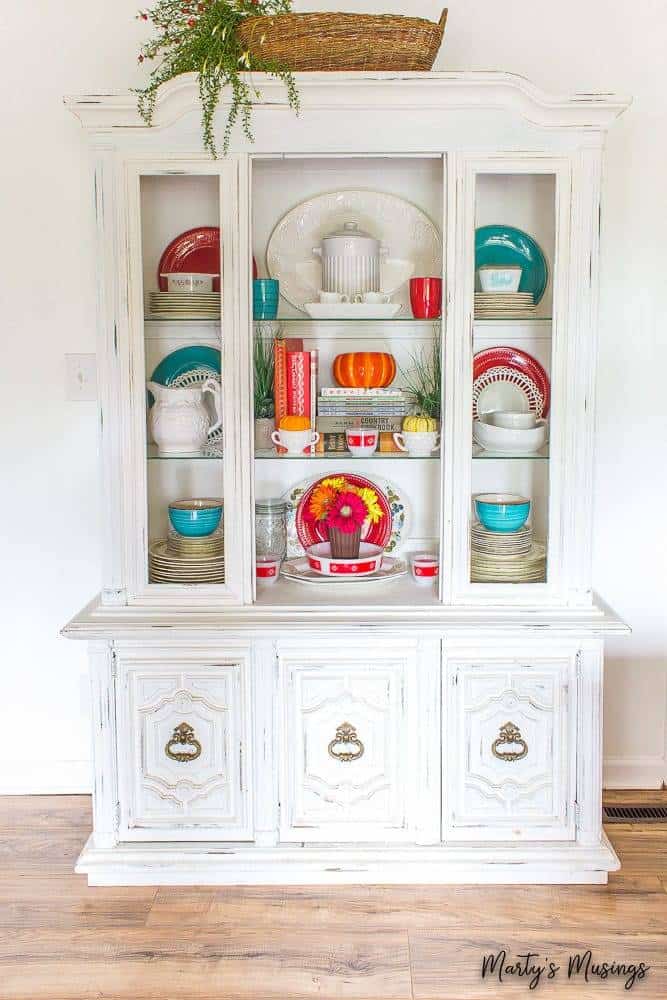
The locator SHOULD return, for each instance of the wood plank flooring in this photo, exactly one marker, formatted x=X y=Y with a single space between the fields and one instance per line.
x=60 y=940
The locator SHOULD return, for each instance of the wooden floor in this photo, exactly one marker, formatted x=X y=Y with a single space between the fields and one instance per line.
x=64 y=941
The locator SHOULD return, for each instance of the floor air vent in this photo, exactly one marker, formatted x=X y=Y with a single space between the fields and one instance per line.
x=634 y=814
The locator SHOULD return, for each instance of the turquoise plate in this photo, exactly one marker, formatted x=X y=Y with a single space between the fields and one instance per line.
x=185 y=359
x=505 y=245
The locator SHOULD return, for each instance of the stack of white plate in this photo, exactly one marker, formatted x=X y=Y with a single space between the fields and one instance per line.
x=504 y=305
x=187 y=560
x=529 y=568
x=185 y=305
x=500 y=543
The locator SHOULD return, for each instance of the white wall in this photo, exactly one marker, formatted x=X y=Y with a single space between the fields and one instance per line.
x=48 y=501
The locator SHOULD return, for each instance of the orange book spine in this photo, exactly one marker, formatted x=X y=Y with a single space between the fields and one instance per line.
x=280 y=383
x=387 y=443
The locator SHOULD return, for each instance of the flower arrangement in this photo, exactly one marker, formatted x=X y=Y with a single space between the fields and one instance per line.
x=201 y=36
x=343 y=508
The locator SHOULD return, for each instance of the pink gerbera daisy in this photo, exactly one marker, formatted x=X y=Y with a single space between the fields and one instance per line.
x=348 y=513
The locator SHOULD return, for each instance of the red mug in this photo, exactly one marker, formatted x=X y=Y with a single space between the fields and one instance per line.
x=426 y=297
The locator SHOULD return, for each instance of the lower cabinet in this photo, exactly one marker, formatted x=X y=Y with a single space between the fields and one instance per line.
x=509 y=744
x=182 y=744
x=350 y=742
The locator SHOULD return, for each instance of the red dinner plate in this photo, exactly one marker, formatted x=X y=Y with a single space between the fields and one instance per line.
x=518 y=361
x=196 y=251
x=311 y=532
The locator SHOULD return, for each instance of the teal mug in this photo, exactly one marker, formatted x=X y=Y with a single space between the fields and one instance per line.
x=265 y=296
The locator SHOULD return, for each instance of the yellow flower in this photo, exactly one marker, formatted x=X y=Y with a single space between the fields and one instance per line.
x=370 y=498
x=335 y=482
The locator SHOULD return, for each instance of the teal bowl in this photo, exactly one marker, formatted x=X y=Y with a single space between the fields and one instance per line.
x=195 y=518
x=502 y=511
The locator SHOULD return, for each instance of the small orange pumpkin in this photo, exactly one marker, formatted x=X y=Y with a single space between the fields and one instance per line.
x=294 y=423
x=364 y=370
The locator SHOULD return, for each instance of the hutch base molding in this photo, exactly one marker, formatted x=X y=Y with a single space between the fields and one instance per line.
x=388 y=728
x=238 y=864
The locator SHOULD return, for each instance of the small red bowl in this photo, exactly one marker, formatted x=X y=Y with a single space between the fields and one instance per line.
x=425 y=567
x=267 y=570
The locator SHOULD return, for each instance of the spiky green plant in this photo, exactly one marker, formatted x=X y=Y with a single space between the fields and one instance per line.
x=202 y=38
x=262 y=359
x=423 y=380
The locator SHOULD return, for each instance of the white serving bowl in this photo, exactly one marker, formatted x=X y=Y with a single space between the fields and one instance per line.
x=321 y=561
x=499 y=279
x=185 y=282
x=510 y=441
x=514 y=419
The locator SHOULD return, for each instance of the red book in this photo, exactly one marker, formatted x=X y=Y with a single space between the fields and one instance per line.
x=314 y=369
x=280 y=382
x=298 y=383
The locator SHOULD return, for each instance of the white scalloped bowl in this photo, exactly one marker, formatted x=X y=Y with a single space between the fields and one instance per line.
x=511 y=441
x=369 y=561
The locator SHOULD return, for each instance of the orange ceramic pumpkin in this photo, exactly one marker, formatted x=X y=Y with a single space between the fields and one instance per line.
x=364 y=370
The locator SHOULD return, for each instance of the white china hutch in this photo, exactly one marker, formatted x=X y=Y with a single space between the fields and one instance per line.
x=370 y=732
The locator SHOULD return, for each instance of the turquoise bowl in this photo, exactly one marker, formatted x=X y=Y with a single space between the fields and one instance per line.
x=195 y=518
x=502 y=511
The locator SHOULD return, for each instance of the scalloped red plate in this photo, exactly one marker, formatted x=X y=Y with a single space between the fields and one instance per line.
x=520 y=362
x=311 y=533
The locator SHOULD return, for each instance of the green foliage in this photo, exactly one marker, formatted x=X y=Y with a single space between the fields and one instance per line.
x=262 y=359
x=423 y=380
x=202 y=37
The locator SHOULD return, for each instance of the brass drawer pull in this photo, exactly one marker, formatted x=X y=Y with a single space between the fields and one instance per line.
x=346 y=735
x=509 y=735
x=183 y=736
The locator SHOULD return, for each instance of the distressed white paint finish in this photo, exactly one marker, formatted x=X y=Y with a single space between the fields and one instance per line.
x=487 y=796
x=278 y=679
x=208 y=795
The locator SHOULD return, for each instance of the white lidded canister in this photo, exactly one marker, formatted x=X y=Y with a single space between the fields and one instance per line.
x=350 y=261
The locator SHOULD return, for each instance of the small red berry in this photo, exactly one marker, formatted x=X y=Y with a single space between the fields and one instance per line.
x=141 y=58
x=191 y=22
x=144 y=17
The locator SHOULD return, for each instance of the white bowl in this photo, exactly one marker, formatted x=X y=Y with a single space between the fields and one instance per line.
x=499 y=279
x=185 y=282
x=508 y=440
x=267 y=571
x=369 y=561
x=514 y=419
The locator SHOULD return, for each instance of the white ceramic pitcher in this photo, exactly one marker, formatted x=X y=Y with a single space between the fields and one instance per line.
x=179 y=421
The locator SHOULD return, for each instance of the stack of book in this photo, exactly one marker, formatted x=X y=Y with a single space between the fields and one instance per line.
x=295 y=380
x=338 y=409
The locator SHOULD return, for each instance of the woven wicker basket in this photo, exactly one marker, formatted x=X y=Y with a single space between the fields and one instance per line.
x=326 y=41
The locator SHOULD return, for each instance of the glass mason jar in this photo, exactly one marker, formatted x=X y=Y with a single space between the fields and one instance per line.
x=270 y=529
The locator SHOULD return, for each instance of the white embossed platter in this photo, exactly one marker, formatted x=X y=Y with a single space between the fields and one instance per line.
x=413 y=242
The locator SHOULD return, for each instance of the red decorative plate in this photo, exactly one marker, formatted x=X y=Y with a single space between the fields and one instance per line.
x=311 y=533
x=520 y=373
x=196 y=251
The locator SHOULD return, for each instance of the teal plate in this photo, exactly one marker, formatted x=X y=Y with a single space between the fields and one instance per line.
x=505 y=246
x=185 y=359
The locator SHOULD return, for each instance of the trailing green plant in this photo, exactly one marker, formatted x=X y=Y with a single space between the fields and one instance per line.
x=263 y=366
x=423 y=380
x=202 y=38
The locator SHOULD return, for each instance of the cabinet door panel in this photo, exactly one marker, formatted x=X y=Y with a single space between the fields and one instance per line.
x=509 y=750
x=348 y=747
x=182 y=742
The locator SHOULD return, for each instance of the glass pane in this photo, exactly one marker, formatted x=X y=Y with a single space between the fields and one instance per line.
x=389 y=212
x=514 y=265
x=181 y=280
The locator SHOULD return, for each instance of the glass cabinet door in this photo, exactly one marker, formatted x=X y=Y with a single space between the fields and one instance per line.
x=183 y=524
x=511 y=328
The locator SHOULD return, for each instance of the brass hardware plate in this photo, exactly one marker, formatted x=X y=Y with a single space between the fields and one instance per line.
x=346 y=736
x=510 y=735
x=183 y=736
